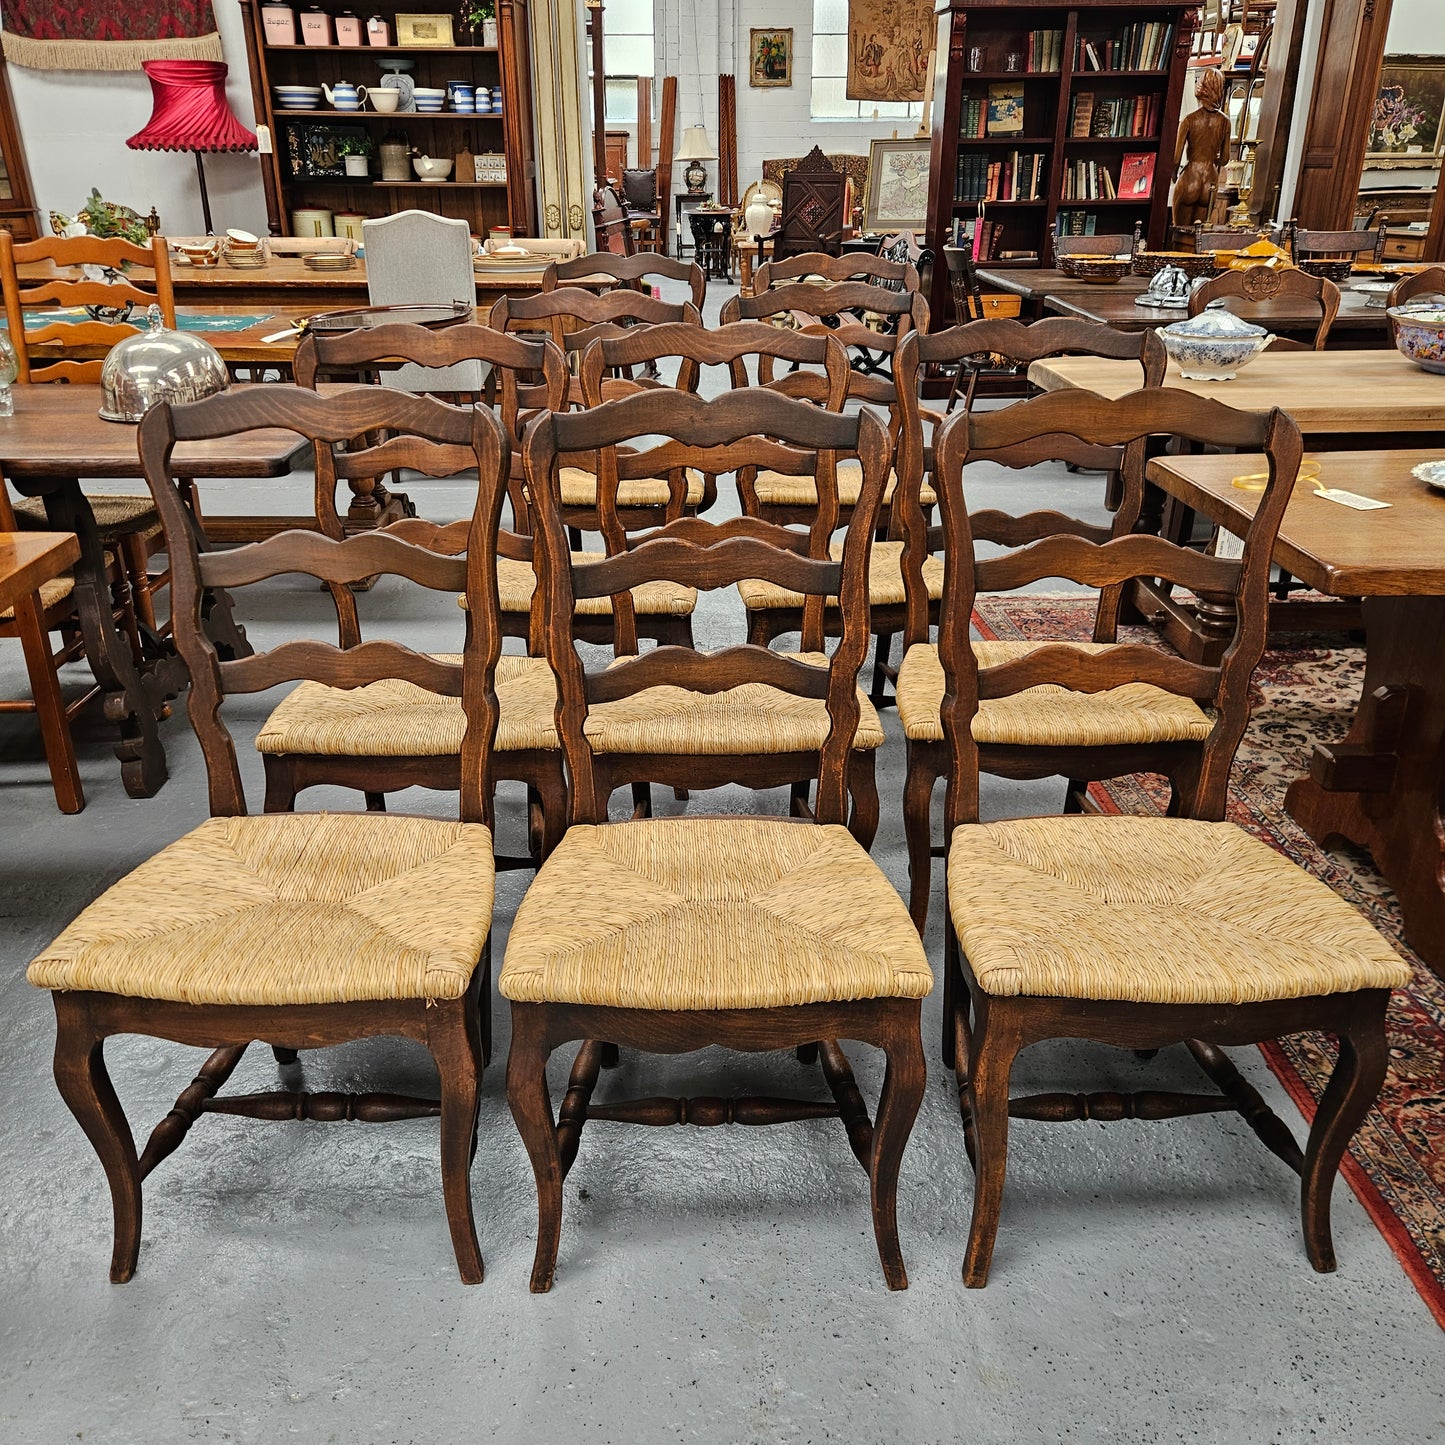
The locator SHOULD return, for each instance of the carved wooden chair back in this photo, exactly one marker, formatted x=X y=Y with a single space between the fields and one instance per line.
x=1229 y=238
x=609 y=221
x=635 y=270
x=421 y=433
x=1428 y=284
x=1337 y=245
x=1261 y=284
x=137 y=277
x=812 y=218
x=899 y=275
x=1027 y=433
x=1093 y=245
x=741 y=428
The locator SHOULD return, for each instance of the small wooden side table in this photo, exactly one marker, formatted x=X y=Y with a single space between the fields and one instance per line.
x=684 y=201
x=711 y=241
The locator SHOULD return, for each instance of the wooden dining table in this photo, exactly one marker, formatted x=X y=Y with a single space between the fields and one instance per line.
x=1333 y=396
x=1383 y=785
x=55 y=438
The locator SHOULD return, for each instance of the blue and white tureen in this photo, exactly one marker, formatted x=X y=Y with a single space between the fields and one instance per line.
x=1213 y=345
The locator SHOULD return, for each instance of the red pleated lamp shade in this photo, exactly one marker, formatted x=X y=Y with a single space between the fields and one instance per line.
x=189 y=110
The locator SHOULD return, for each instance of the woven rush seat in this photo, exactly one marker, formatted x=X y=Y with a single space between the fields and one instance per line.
x=1153 y=910
x=516 y=582
x=115 y=515
x=394 y=718
x=779 y=489
x=283 y=909
x=1048 y=715
x=579 y=489
x=711 y=913
x=52 y=593
x=885 y=581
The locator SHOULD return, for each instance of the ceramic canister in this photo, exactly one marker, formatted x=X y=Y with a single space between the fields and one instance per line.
x=279 y=24
x=378 y=32
x=348 y=223
x=312 y=223
x=316 y=28
x=349 y=29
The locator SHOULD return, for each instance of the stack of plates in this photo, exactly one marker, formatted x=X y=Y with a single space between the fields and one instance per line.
x=298 y=97
x=328 y=261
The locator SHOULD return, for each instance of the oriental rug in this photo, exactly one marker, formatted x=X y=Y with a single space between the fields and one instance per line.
x=1303 y=693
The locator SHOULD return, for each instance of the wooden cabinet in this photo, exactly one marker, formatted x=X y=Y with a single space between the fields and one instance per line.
x=298 y=173
x=18 y=213
x=1040 y=57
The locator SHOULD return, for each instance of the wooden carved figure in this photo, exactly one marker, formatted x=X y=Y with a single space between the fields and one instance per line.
x=1204 y=137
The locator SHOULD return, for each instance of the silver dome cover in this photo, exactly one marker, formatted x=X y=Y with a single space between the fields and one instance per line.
x=158 y=365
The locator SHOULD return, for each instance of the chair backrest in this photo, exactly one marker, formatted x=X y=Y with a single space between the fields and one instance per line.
x=417 y=257
x=890 y=275
x=130 y=276
x=813 y=203
x=1260 y=284
x=1423 y=285
x=1119 y=245
x=1321 y=245
x=740 y=428
x=421 y=433
x=1027 y=433
x=639 y=189
x=609 y=221
x=586 y=270
x=1021 y=345
x=1231 y=238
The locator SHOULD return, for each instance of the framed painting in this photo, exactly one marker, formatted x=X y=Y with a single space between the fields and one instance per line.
x=1407 y=127
x=424 y=32
x=890 y=46
x=770 y=57
x=896 y=198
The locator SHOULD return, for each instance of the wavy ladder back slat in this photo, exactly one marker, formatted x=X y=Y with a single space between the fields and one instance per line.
x=425 y=430
x=630 y=270
x=862 y=267
x=1027 y=430
x=714 y=435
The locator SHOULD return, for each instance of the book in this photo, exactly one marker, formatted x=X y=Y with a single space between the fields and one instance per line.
x=1006 y=108
x=1136 y=175
x=1083 y=113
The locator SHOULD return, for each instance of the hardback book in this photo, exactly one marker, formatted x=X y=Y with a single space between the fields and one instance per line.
x=1136 y=176
x=1083 y=113
x=1006 y=108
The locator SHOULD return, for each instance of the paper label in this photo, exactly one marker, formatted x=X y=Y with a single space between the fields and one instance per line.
x=1350 y=499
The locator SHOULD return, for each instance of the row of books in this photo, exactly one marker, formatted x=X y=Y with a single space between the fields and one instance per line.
x=1001 y=112
x=980 y=238
x=1045 y=52
x=1078 y=223
x=1143 y=45
x=1009 y=177
x=1123 y=115
x=1086 y=180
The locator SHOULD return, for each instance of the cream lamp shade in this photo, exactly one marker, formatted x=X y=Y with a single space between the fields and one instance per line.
x=696 y=148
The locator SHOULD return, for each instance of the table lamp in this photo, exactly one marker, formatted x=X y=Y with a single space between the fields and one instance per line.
x=696 y=148
x=189 y=112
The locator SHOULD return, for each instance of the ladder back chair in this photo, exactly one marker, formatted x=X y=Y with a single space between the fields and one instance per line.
x=1136 y=932
x=300 y=931
x=1260 y=285
x=754 y=933
x=756 y=738
x=602 y=266
x=1313 y=247
x=133 y=276
x=856 y=266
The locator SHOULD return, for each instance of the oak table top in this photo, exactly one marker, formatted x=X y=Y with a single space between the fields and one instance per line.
x=1399 y=552
x=29 y=558
x=1324 y=391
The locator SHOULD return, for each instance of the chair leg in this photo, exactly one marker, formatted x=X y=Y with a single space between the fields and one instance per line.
x=85 y=1086
x=375 y=802
x=450 y=1037
x=531 y=1107
x=280 y=785
x=917 y=824
x=55 y=734
x=903 y=1084
x=882 y=650
x=995 y=1042
x=863 y=784
x=1354 y=1086
x=133 y=558
x=950 y=993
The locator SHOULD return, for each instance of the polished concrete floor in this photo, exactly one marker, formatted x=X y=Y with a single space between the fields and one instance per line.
x=296 y=1280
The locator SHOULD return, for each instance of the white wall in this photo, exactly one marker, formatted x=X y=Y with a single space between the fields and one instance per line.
x=74 y=125
x=1417 y=27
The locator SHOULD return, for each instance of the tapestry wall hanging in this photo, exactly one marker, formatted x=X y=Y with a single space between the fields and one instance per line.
x=83 y=35
x=889 y=44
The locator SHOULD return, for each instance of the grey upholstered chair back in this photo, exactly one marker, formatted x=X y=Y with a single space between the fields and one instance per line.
x=417 y=257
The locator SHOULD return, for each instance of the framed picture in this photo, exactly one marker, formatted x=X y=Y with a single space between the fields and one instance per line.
x=896 y=198
x=311 y=151
x=770 y=57
x=1408 y=125
x=424 y=32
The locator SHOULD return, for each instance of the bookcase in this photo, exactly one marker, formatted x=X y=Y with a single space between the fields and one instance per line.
x=1053 y=114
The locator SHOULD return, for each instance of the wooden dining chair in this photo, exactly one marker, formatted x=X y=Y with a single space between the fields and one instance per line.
x=301 y=931
x=751 y=737
x=753 y=933
x=1036 y=738
x=1136 y=931
x=1426 y=285
x=1311 y=247
x=135 y=277
x=855 y=266
x=1262 y=284
x=636 y=271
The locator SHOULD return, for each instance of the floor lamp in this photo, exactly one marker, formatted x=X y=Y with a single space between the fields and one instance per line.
x=189 y=112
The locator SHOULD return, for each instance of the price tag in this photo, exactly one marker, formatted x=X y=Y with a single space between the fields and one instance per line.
x=1350 y=499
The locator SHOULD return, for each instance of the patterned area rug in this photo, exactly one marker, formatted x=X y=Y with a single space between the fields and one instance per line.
x=1302 y=694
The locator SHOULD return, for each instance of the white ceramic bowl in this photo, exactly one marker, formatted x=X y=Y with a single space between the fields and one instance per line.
x=431 y=168
x=385 y=98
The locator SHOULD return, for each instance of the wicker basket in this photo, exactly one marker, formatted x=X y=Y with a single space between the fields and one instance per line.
x=1329 y=270
x=1194 y=264
x=1103 y=269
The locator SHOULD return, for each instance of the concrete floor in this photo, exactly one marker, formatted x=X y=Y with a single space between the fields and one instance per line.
x=296 y=1281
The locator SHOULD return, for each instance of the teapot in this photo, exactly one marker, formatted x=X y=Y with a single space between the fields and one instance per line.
x=345 y=96
x=1170 y=287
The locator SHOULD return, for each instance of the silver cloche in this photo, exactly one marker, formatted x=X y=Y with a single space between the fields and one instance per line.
x=158 y=365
